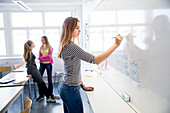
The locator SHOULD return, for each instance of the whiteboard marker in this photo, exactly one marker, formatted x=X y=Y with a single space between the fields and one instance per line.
x=122 y=36
x=125 y=36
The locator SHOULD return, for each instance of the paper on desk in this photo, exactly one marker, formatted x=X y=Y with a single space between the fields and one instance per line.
x=6 y=81
x=17 y=81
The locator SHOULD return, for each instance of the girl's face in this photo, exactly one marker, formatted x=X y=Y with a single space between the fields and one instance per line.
x=77 y=30
x=42 y=41
x=32 y=45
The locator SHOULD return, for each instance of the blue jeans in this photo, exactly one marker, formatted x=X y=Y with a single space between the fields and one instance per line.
x=48 y=68
x=72 y=102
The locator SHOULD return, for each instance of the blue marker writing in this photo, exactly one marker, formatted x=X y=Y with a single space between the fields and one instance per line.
x=89 y=70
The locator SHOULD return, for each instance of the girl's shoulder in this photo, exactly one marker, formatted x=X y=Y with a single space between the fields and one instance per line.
x=70 y=44
x=50 y=48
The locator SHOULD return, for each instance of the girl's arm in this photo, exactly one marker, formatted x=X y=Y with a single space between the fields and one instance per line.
x=79 y=53
x=29 y=64
x=50 y=52
x=100 y=58
x=44 y=58
x=40 y=55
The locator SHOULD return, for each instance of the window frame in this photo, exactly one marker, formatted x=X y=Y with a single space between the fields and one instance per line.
x=3 y=29
x=43 y=27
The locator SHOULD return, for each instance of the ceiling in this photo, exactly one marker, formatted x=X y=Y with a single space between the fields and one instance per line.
x=44 y=1
x=40 y=4
x=132 y=4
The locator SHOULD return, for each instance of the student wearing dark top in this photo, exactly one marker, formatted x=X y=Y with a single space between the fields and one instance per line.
x=32 y=70
x=72 y=55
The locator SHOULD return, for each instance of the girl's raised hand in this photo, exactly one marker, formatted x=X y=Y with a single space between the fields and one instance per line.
x=119 y=39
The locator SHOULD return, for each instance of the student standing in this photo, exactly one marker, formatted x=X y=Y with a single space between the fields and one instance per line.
x=45 y=59
x=72 y=54
x=32 y=70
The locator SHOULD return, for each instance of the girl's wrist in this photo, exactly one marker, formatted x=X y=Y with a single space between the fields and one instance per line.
x=116 y=45
x=82 y=85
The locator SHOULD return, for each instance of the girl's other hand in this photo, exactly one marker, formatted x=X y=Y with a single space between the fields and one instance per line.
x=29 y=75
x=88 y=88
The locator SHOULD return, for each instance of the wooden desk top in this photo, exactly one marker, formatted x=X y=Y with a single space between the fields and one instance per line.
x=8 y=95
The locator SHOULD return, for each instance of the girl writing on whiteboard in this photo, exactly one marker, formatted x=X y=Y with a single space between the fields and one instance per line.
x=72 y=54
x=32 y=70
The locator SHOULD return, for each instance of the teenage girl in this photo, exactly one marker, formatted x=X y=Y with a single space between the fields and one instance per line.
x=72 y=54
x=45 y=59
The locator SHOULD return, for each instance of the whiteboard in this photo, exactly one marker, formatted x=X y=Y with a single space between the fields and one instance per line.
x=141 y=68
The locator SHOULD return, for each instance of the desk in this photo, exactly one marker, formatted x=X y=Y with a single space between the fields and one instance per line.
x=103 y=99
x=20 y=77
x=8 y=95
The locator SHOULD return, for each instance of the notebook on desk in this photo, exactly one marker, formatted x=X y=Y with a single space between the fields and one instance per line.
x=6 y=81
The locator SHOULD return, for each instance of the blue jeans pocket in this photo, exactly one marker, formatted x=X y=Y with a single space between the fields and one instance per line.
x=77 y=90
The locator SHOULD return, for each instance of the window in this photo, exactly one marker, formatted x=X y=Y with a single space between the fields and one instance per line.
x=53 y=38
x=95 y=39
x=157 y=12
x=102 y=18
x=141 y=36
x=26 y=19
x=109 y=33
x=103 y=25
x=33 y=25
x=2 y=43
x=19 y=38
x=2 y=36
x=131 y=17
x=1 y=20
x=56 y=18
x=124 y=31
x=35 y=36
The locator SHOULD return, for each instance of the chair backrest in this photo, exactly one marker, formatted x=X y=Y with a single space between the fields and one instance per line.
x=27 y=107
x=16 y=66
x=4 y=69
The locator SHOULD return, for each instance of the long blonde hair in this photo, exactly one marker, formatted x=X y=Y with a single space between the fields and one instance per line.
x=68 y=28
x=46 y=42
x=27 y=49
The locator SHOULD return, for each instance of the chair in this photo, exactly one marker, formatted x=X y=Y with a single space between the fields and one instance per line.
x=4 y=69
x=16 y=66
x=57 y=73
x=27 y=107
